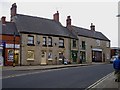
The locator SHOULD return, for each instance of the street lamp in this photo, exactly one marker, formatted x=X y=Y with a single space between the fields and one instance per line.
x=14 y=51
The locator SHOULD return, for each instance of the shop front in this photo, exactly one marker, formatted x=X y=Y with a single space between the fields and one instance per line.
x=12 y=54
x=96 y=55
x=74 y=54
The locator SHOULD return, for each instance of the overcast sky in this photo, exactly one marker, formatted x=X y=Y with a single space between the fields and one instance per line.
x=102 y=13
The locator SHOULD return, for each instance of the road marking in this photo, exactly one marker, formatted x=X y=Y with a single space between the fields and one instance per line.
x=98 y=82
x=30 y=73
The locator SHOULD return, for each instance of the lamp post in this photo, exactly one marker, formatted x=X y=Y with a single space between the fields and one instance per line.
x=14 y=51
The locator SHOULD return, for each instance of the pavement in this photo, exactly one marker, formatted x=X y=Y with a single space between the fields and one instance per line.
x=104 y=83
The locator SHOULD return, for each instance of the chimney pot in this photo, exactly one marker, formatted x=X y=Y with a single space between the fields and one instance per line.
x=92 y=27
x=56 y=16
x=68 y=21
x=13 y=10
x=3 y=19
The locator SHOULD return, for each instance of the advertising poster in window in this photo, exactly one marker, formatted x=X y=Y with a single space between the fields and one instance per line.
x=10 y=55
x=1 y=58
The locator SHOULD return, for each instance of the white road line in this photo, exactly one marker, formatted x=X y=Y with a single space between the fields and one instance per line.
x=98 y=82
x=17 y=75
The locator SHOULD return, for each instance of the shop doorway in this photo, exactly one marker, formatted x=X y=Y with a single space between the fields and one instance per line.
x=74 y=56
x=11 y=55
x=96 y=56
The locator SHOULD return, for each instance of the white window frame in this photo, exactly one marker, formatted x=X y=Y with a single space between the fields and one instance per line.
x=50 y=56
x=61 y=42
x=30 y=55
x=49 y=41
x=44 y=41
x=30 y=39
x=97 y=42
x=107 y=44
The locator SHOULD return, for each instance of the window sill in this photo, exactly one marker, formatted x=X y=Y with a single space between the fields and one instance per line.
x=60 y=59
x=30 y=59
x=50 y=59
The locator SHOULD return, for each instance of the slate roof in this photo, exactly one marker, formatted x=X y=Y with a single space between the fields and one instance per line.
x=9 y=28
x=38 y=25
x=89 y=33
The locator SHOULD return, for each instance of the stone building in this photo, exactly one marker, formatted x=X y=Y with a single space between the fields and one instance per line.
x=93 y=46
x=46 y=41
x=43 y=41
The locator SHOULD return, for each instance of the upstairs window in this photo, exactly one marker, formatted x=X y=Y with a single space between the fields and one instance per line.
x=44 y=41
x=74 y=43
x=107 y=44
x=30 y=40
x=97 y=42
x=83 y=45
x=61 y=43
x=49 y=41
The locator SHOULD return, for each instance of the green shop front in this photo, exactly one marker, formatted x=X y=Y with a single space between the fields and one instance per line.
x=74 y=54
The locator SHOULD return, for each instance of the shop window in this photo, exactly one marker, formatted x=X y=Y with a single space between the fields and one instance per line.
x=10 y=55
x=30 y=55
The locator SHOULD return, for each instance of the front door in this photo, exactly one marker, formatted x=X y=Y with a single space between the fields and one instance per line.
x=74 y=56
x=16 y=57
x=83 y=56
x=43 y=58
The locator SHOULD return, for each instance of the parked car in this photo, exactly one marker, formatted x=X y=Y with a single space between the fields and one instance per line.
x=113 y=58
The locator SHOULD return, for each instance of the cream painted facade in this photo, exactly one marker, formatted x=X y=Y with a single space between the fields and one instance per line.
x=92 y=44
x=39 y=53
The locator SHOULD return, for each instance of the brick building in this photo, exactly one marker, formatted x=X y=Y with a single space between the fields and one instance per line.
x=9 y=42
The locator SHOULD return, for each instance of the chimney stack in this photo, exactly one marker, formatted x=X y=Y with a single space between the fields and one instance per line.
x=68 y=21
x=56 y=16
x=92 y=27
x=13 y=10
x=3 y=19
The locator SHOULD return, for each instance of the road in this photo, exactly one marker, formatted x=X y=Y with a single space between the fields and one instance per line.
x=74 y=77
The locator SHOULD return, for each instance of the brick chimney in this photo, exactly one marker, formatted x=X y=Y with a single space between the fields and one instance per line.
x=92 y=27
x=3 y=19
x=56 y=16
x=68 y=21
x=13 y=10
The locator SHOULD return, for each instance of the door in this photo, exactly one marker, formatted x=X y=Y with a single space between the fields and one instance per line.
x=43 y=58
x=83 y=56
x=74 y=56
x=97 y=56
x=16 y=57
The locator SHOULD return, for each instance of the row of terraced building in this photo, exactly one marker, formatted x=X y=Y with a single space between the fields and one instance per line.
x=31 y=40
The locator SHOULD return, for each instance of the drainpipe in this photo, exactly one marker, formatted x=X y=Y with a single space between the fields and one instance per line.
x=20 y=49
